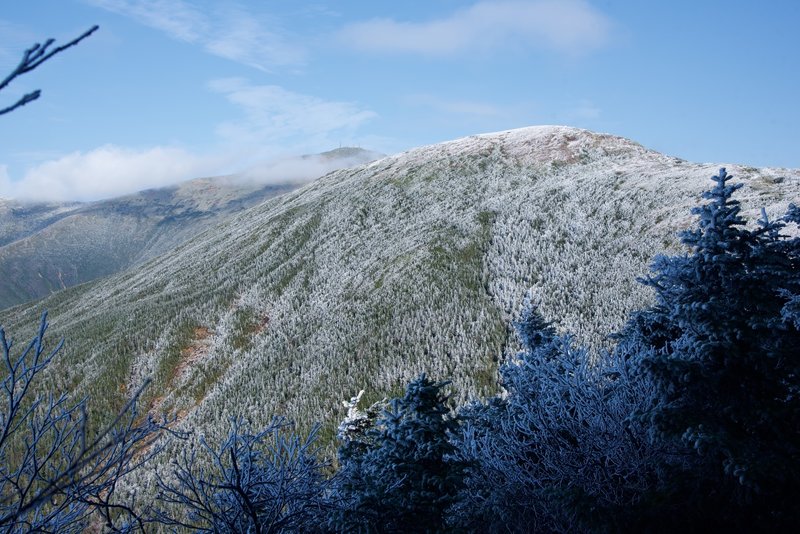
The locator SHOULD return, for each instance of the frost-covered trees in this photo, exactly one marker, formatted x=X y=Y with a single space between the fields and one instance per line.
x=268 y=481
x=559 y=450
x=55 y=470
x=725 y=357
x=401 y=476
x=692 y=421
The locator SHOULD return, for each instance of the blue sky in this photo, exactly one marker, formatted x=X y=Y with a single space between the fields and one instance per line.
x=173 y=89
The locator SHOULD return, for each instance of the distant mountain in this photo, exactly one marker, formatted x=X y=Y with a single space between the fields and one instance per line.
x=370 y=275
x=21 y=219
x=46 y=247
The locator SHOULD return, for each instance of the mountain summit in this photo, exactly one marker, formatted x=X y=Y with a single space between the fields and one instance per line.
x=370 y=275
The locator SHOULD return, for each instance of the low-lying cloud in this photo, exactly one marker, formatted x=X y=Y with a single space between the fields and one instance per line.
x=271 y=117
x=302 y=169
x=105 y=172
x=111 y=171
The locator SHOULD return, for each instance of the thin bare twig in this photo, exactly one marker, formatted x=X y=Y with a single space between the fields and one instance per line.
x=32 y=58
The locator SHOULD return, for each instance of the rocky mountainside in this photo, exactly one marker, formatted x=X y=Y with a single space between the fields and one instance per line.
x=370 y=275
x=46 y=247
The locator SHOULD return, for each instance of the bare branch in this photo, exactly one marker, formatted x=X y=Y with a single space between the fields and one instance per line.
x=265 y=482
x=51 y=477
x=32 y=58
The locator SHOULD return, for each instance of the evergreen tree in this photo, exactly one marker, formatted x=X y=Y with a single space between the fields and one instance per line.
x=402 y=478
x=558 y=451
x=725 y=356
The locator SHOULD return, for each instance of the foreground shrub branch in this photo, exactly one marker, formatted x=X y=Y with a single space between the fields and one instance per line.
x=54 y=472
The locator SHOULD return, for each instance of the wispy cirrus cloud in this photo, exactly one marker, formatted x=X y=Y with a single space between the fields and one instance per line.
x=243 y=39
x=565 y=26
x=180 y=20
x=271 y=113
x=225 y=30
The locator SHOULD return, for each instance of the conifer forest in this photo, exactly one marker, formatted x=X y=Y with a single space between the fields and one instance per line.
x=544 y=329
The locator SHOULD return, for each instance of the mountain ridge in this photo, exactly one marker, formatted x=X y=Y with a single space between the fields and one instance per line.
x=45 y=247
x=370 y=275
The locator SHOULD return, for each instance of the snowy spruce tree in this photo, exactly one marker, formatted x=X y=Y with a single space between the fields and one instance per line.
x=724 y=352
x=558 y=450
x=401 y=476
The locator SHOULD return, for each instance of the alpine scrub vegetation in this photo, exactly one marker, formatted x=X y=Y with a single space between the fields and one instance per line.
x=370 y=276
x=265 y=481
x=56 y=473
x=689 y=422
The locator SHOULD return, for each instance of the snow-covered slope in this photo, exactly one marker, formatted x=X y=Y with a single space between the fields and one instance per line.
x=45 y=247
x=368 y=276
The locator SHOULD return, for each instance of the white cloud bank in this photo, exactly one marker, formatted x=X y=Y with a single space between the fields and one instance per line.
x=105 y=172
x=566 y=26
x=302 y=169
x=228 y=31
x=273 y=119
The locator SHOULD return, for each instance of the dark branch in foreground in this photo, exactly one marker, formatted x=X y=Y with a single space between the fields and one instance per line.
x=32 y=58
x=53 y=473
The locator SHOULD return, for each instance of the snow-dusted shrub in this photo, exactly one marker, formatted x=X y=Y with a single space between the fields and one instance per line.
x=269 y=480
x=559 y=449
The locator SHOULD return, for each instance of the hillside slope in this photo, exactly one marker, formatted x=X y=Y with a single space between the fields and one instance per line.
x=46 y=247
x=368 y=276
